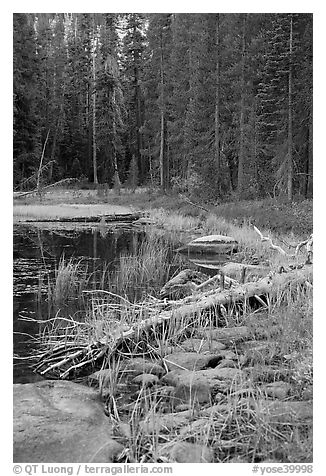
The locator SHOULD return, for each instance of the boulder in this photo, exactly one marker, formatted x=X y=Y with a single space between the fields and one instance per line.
x=218 y=244
x=185 y=452
x=61 y=422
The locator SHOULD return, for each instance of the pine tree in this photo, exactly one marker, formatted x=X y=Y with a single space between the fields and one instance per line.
x=26 y=120
x=133 y=63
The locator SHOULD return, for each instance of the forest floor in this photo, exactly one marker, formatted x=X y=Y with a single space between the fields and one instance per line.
x=253 y=398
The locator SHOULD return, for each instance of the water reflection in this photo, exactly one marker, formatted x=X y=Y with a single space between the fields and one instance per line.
x=36 y=254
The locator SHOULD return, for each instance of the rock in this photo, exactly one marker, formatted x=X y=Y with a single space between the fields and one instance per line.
x=198 y=385
x=185 y=452
x=190 y=360
x=218 y=244
x=285 y=412
x=257 y=352
x=201 y=345
x=226 y=335
x=158 y=423
x=139 y=366
x=278 y=390
x=146 y=380
x=61 y=422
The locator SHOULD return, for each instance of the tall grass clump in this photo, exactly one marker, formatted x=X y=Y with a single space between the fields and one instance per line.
x=147 y=271
x=71 y=279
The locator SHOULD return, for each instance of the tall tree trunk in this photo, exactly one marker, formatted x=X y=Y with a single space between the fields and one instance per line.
x=164 y=165
x=94 y=104
x=290 y=137
x=242 y=104
x=138 y=127
x=117 y=182
x=217 y=103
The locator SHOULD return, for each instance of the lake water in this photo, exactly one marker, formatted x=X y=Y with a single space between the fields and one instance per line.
x=37 y=252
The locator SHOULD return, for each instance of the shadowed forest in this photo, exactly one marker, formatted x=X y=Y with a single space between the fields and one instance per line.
x=218 y=106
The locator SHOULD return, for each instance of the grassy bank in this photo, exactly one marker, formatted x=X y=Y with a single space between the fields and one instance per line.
x=272 y=365
x=280 y=217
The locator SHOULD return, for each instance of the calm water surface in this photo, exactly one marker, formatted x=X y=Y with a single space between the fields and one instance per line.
x=36 y=255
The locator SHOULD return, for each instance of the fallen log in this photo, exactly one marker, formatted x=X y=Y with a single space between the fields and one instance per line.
x=65 y=365
x=46 y=187
x=268 y=286
x=123 y=217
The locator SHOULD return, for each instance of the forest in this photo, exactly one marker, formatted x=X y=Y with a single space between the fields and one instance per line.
x=215 y=105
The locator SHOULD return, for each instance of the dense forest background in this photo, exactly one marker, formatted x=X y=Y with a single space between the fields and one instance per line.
x=217 y=105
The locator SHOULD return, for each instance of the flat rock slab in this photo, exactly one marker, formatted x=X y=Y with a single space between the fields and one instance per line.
x=212 y=244
x=61 y=422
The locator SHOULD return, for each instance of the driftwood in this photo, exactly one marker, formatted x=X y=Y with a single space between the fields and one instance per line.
x=46 y=187
x=63 y=362
x=123 y=217
x=268 y=286
x=307 y=243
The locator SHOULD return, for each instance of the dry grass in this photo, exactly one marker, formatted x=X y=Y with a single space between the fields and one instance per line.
x=243 y=431
x=55 y=212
